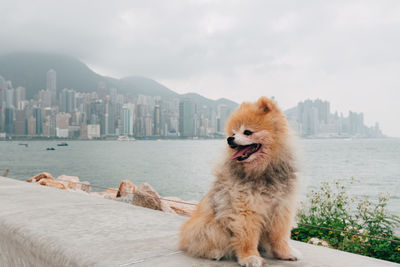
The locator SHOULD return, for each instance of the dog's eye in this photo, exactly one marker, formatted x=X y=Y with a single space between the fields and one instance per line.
x=247 y=132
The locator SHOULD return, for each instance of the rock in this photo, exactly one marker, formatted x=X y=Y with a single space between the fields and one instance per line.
x=183 y=209
x=110 y=193
x=125 y=188
x=51 y=183
x=38 y=177
x=145 y=196
x=5 y=173
x=85 y=186
x=70 y=182
x=319 y=242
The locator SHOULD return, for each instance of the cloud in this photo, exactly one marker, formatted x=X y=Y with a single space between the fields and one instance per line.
x=343 y=51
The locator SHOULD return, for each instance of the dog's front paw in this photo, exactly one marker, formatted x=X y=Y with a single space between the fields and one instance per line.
x=292 y=255
x=252 y=261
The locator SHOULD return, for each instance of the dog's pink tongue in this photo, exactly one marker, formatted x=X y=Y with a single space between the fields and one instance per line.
x=241 y=152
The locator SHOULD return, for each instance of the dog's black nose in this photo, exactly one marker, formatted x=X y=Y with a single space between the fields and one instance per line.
x=231 y=142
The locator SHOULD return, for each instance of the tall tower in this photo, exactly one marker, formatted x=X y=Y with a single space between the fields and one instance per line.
x=51 y=85
x=186 y=113
x=157 y=120
x=2 y=101
x=125 y=114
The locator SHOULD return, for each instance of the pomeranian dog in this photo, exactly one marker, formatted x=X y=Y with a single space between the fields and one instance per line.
x=252 y=204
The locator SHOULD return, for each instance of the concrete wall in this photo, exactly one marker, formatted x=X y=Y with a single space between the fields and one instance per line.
x=41 y=226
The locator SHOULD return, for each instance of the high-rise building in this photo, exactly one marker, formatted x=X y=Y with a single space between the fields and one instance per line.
x=67 y=100
x=109 y=118
x=101 y=89
x=45 y=98
x=19 y=97
x=51 y=80
x=186 y=113
x=9 y=97
x=37 y=113
x=62 y=125
x=2 y=101
x=125 y=120
x=223 y=115
x=31 y=126
x=20 y=122
x=93 y=131
x=157 y=121
x=51 y=85
x=9 y=120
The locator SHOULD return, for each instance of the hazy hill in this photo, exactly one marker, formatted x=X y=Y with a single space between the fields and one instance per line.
x=29 y=70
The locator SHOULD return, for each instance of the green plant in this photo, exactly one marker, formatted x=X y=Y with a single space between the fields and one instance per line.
x=349 y=223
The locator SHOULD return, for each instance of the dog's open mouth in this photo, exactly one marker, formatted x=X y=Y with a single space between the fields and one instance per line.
x=244 y=152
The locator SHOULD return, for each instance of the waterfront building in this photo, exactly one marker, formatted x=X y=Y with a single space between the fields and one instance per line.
x=9 y=120
x=31 y=126
x=93 y=131
x=2 y=102
x=20 y=123
x=37 y=113
x=125 y=121
x=62 y=124
x=186 y=114
x=157 y=120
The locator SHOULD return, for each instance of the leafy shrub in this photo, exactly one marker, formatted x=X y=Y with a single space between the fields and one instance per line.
x=349 y=223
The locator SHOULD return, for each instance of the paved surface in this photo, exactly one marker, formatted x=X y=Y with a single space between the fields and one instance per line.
x=41 y=226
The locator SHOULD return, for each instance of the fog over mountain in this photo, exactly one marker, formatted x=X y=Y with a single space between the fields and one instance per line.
x=345 y=52
x=29 y=70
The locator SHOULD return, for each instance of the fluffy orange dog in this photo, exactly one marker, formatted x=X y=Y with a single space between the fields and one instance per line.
x=252 y=203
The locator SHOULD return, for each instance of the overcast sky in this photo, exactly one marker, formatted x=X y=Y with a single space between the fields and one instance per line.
x=346 y=52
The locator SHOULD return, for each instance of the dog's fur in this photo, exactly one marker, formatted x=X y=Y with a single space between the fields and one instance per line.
x=252 y=204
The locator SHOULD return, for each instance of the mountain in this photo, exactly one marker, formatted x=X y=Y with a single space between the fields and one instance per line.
x=29 y=70
x=143 y=85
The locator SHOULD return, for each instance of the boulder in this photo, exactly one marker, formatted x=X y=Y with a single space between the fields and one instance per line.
x=110 y=193
x=5 y=173
x=51 y=183
x=125 y=188
x=145 y=196
x=180 y=207
x=70 y=182
x=85 y=186
x=38 y=177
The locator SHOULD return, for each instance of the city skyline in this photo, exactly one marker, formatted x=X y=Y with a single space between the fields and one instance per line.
x=66 y=113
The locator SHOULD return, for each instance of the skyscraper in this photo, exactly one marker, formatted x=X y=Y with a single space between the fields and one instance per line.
x=2 y=100
x=51 y=85
x=157 y=120
x=20 y=122
x=67 y=100
x=19 y=97
x=186 y=113
x=125 y=117
x=223 y=115
x=37 y=113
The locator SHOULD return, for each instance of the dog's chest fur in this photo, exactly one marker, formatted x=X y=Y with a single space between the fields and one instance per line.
x=263 y=195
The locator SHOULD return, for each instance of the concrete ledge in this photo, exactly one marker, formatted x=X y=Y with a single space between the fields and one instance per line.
x=41 y=226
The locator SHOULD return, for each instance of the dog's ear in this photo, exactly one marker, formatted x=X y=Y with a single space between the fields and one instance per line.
x=264 y=105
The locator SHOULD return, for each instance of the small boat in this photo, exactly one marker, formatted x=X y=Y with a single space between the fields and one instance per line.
x=62 y=144
x=126 y=138
x=50 y=148
x=23 y=144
